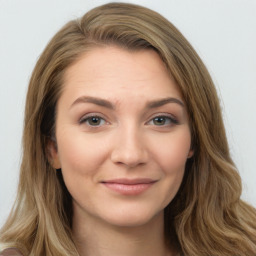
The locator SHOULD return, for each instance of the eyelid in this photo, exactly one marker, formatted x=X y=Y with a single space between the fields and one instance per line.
x=173 y=119
x=87 y=116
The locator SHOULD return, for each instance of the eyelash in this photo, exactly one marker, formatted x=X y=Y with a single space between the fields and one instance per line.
x=90 y=117
x=164 y=117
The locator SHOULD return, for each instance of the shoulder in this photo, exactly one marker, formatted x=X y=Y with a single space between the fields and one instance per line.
x=10 y=252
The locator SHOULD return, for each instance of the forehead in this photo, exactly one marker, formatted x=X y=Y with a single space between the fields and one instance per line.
x=110 y=71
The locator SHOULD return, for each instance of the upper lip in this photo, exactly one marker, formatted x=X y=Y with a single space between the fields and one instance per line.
x=130 y=181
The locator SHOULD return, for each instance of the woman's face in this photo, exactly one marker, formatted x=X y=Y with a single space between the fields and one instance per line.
x=123 y=136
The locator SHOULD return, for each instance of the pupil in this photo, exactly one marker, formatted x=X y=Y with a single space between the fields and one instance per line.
x=95 y=120
x=159 y=121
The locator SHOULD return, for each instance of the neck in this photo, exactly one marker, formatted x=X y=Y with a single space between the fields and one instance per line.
x=96 y=238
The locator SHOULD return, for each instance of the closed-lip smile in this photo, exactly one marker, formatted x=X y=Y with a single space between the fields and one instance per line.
x=129 y=186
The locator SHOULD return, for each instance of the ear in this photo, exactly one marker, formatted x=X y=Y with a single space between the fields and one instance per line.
x=190 y=153
x=53 y=156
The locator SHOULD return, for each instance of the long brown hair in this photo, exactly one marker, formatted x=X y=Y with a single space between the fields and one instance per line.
x=206 y=217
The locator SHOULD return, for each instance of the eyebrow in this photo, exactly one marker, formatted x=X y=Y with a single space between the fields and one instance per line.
x=94 y=100
x=161 y=102
x=109 y=105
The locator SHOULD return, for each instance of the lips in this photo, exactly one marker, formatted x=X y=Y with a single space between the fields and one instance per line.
x=129 y=186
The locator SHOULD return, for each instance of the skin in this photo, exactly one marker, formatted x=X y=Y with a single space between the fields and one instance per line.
x=130 y=137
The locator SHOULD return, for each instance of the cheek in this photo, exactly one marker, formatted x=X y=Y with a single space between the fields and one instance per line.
x=81 y=158
x=172 y=157
x=80 y=154
x=174 y=151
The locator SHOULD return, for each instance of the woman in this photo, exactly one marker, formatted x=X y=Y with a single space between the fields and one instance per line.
x=124 y=147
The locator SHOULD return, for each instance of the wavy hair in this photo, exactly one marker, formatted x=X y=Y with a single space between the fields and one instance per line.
x=206 y=217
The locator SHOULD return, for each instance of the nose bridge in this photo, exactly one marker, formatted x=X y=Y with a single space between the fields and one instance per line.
x=130 y=148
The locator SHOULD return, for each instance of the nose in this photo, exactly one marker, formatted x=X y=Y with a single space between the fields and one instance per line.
x=129 y=149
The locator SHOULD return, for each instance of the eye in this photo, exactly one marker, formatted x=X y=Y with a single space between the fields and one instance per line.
x=163 y=121
x=93 y=121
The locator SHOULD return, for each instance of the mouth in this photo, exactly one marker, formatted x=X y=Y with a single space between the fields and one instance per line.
x=129 y=186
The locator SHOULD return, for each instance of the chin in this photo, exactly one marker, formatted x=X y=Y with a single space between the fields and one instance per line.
x=135 y=218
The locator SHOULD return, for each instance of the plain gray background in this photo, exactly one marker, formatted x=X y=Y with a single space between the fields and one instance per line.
x=222 y=31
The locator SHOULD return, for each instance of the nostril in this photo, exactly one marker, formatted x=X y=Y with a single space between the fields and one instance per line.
x=130 y=158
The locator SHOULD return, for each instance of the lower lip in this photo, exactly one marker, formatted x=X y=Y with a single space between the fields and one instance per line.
x=128 y=189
